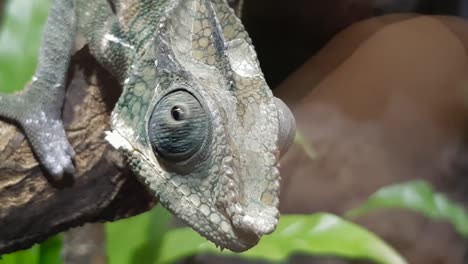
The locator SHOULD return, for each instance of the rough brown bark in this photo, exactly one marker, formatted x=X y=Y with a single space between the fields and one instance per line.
x=32 y=206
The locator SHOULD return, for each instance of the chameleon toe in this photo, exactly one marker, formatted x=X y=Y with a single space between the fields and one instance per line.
x=67 y=165
x=58 y=163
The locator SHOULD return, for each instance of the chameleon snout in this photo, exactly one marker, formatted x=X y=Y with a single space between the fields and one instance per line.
x=257 y=219
x=251 y=206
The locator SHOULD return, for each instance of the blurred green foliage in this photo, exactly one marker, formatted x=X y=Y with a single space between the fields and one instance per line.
x=137 y=239
x=46 y=253
x=22 y=23
x=150 y=239
x=316 y=234
x=417 y=196
x=305 y=145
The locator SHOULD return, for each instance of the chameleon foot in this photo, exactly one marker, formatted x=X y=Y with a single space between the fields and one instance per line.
x=38 y=113
x=48 y=139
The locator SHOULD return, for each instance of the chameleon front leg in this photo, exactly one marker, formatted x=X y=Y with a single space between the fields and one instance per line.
x=106 y=40
x=37 y=110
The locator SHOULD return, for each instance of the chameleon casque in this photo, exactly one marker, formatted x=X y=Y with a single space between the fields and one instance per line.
x=196 y=121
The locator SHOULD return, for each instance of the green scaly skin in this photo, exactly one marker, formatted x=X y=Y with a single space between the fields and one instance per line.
x=197 y=122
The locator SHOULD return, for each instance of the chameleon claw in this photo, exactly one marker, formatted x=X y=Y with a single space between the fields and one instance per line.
x=69 y=150
x=69 y=167
x=59 y=164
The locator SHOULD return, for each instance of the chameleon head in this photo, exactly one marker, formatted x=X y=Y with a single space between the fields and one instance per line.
x=202 y=129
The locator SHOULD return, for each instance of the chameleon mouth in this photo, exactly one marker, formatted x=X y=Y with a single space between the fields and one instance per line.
x=252 y=222
x=249 y=221
x=258 y=219
x=249 y=204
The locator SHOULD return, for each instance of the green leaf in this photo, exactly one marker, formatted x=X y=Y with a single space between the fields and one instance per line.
x=137 y=239
x=20 y=38
x=317 y=234
x=306 y=146
x=420 y=197
x=30 y=256
x=50 y=250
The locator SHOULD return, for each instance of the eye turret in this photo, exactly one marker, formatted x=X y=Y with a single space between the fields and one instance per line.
x=287 y=127
x=178 y=126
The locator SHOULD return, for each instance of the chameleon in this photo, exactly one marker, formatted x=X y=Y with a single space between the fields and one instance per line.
x=196 y=121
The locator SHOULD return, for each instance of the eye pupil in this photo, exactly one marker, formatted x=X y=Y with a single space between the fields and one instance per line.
x=177 y=113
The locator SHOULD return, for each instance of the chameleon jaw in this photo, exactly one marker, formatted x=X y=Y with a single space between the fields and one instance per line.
x=254 y=217
x=257 y=219
x=250 y=216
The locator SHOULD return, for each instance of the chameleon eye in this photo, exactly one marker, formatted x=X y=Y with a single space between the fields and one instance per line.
x=178 y=126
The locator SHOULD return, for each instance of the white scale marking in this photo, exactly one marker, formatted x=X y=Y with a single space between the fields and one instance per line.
x=112 y=38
